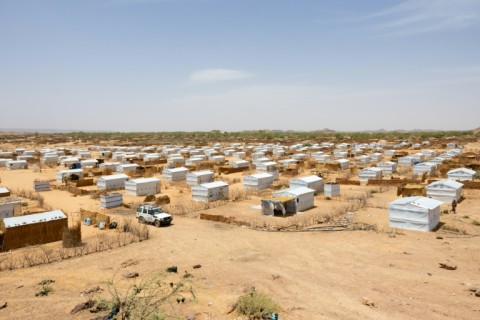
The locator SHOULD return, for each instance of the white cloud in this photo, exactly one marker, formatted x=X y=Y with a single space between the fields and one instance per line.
x=426 y=16
x=216 y=75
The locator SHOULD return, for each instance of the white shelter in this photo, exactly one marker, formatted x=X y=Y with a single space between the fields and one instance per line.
x=414 y=213
x=61 y=174
x=124 y=167
x=303 y=198
x=239 y=155
x=344 y=163
x=370 y=173
x=10 y=206
x=313 y=182
x=199 y=177
x=445 y=190
x=142 y=186
x=424 y=167
x=362 y=160
x=114 y=181
x=258 y=181
x=93 y=163
x=461 y=174
x=17 y=164
x=268 y=167
x=211 y=191
x=406 y=161
x=175 y=174
x=239 y=164
x=331 y=189
x=388 y=167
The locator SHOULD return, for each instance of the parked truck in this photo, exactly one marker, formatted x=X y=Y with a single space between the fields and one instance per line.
x=146 y=213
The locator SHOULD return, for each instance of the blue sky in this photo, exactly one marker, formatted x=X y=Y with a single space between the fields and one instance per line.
x=163 y=65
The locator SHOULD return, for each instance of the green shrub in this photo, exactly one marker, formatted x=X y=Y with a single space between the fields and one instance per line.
x=44 y=291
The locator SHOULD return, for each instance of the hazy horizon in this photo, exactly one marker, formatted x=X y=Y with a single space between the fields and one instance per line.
x=230 y=65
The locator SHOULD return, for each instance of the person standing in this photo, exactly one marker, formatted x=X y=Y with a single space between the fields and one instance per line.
x=454 y=206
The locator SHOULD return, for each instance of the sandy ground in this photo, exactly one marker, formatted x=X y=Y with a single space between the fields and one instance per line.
x=317 y=275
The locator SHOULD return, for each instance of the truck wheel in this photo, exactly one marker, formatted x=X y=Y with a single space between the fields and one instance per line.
x=141 y=220
x=157 y=223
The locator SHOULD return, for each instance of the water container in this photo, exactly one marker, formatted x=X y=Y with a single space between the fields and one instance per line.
x=87 y=221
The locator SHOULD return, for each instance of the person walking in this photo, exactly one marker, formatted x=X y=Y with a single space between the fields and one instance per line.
x=454 y=206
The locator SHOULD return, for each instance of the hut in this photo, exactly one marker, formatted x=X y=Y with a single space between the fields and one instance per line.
x=445 y=190
x=111 y=200
x=406 y=161
x=176 y=160
x=217 y=158
x=387 y=167
x=10 y=206
x=4 y=192
x=17 y=164
x=114 y=181
x=331 y=189
x=193 y=160
x=424 y=167
x=66 y=174
x=93 y=163
x=268 y=167
x=50 y=158
x=370 y=173
x=420 y=157
x=362 y=160
x=33 y=229
x=67 y=161
x=3 y=162
x=414 y=213
x=344 y=163
x=211 y=191
x=109 y=165
x=6 y=154
x=302 y=198
x=143 y=186
x=239 y=164
x=299 y=156
x=199 y=177
x=175 y=174
x=258 y=181
x=124 y=167
x=461 y=174
x=313 y=182
x=239 y=155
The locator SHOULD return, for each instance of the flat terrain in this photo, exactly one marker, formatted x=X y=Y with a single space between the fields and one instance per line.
x=312 y=275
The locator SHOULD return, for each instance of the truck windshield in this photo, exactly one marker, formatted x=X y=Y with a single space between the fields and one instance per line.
x=156 y=210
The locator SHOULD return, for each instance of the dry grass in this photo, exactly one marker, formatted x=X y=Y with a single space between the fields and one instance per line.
x=29 y=194
x=127 y=233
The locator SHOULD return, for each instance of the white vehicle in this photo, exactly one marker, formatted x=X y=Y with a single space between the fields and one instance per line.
x=153 y=214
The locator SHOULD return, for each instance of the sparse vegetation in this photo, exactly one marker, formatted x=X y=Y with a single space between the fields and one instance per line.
x=146 y=299
x=256 y=305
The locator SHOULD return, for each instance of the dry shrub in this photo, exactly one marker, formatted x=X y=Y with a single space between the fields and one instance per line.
x=72 y=237
x=256 y=305
x=130 y=232
x=145 y=299
x=29 y=194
